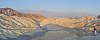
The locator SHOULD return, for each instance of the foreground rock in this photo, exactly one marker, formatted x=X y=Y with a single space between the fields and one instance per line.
x=13 y=27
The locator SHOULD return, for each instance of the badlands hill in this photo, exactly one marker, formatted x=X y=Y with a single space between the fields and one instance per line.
x=12 y=12
x=15 y=25
x=86 y=21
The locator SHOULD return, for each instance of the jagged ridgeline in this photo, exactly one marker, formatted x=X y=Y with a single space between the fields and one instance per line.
x=9 y=11
x=14 y=23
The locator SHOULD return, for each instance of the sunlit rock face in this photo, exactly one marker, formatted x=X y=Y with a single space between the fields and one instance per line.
x=69 y=22
x=14 y=24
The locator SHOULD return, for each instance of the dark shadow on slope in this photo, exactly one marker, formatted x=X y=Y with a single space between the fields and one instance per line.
x=52 y=27
x=29 y=37
x=80 y=33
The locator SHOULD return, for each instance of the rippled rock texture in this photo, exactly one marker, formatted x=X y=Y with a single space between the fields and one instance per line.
x=18 y=26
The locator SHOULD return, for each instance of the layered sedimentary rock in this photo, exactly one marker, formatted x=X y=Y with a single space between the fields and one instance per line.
x=86 y=21
x=13 y=23
x=68 y=22
x=13 y=26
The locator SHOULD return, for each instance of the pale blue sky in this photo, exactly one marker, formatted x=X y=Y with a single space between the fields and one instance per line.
x=89 y=6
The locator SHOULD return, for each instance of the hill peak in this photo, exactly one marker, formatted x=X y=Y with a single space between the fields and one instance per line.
x=8 y=11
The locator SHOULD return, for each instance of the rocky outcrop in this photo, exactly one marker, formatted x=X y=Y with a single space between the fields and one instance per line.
x=8 y=11
x=14 y=26
x=98 y=16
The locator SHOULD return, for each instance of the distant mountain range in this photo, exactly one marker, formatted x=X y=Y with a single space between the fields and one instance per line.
x=51 y=14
